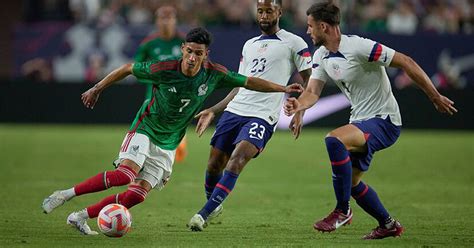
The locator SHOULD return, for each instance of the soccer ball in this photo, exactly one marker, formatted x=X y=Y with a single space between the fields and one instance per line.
x=114 y=220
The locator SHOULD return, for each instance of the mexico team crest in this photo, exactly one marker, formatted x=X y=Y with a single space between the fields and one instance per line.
x=202 y=90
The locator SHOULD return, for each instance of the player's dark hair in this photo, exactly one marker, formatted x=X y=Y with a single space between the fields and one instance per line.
x=326 y=12
x=199 y=35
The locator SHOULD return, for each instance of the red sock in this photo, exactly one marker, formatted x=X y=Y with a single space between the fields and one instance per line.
x=133 y=196
x=123 y=175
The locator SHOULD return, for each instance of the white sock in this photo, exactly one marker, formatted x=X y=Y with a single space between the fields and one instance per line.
x=69 y=193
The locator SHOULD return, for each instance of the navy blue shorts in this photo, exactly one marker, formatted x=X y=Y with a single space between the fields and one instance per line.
x=379 y=134
x=232 y=128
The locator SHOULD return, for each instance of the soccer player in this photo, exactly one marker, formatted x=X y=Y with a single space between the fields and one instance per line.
x=148 y=150
x=356 y=65
x=249 y=119
x=163 y=44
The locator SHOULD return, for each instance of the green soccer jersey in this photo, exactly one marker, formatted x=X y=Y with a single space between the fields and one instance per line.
x=155 y=47
x=176 y=98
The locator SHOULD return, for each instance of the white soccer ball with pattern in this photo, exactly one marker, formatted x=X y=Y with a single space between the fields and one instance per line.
x=114 y=220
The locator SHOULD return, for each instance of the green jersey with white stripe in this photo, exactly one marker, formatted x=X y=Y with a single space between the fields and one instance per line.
x=176 y=98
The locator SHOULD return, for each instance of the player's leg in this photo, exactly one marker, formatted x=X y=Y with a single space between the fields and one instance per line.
x=131 y=157
x=215 y=166
x=156 y=171
x=379 y=134
x=123 y=175
x=249 y=142
x=368 y=200
x=135 y=194
x=222 y=145
x=243 y=152
x=339 y=143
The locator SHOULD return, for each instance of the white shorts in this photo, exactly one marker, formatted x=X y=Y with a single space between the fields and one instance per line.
x=156 y=164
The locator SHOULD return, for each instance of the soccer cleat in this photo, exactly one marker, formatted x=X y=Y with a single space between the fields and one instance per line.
x=379 y=232
x=80 y=223
x=334 y=220
x=53 y=201
x=214 y=214
x=197 y=223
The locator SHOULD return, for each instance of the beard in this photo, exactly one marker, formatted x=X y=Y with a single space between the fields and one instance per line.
x=318 y=42
x=265 y=27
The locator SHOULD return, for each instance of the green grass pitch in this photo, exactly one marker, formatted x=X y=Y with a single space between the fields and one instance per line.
x=426 y=180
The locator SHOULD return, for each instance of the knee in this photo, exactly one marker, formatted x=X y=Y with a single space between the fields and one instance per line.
x=123 y=175
x=332 y=142
x=214 y=166
x=355 y=182
x=237 y=163
x=356 y=176
x=135 y=194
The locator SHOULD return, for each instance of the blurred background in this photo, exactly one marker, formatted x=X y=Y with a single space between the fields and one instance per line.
x=53 y=50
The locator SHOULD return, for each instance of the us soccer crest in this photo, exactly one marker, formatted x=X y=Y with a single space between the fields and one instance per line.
x=263 y=48
x=202 y=90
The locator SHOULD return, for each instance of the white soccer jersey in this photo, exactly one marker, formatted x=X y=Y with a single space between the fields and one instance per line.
x=358 y=69
x=273 y=58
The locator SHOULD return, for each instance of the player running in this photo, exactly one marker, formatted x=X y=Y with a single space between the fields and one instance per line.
x=356 y=65
x=249 y=117
x=148 y=150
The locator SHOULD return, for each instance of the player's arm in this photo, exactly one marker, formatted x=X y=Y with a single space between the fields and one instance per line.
x=296 y=123
x=307 y=99
x=252 y=83
x=305 y=74
x=206 y=116
x=416 y=73
x=262 y=85
x=90 y=97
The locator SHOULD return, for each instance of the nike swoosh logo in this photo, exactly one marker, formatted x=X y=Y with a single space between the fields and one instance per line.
x=339 y=224
x=326 y=106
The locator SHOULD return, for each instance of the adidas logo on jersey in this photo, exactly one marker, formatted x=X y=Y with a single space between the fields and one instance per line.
x=172 y=89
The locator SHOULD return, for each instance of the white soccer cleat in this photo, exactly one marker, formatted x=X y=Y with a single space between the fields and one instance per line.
x=197 y=223
x=53 y=201
x=80 y=223
x=214 y=214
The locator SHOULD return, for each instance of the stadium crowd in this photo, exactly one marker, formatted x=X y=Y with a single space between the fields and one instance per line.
x=96 y=23
x=392 y=16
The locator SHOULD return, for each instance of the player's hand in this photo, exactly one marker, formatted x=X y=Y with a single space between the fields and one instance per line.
x=291 y=106
x=294 y=88
x=205 y=118
x=444 y=105
x=90 y=97
x=296 y=124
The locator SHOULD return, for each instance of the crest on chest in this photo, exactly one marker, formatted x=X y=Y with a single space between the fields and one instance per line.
x=202 y=89
x=263 y=47
x=336 y=70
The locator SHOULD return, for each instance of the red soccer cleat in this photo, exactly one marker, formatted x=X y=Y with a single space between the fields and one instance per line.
x=335 y=220
x=379 y=232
